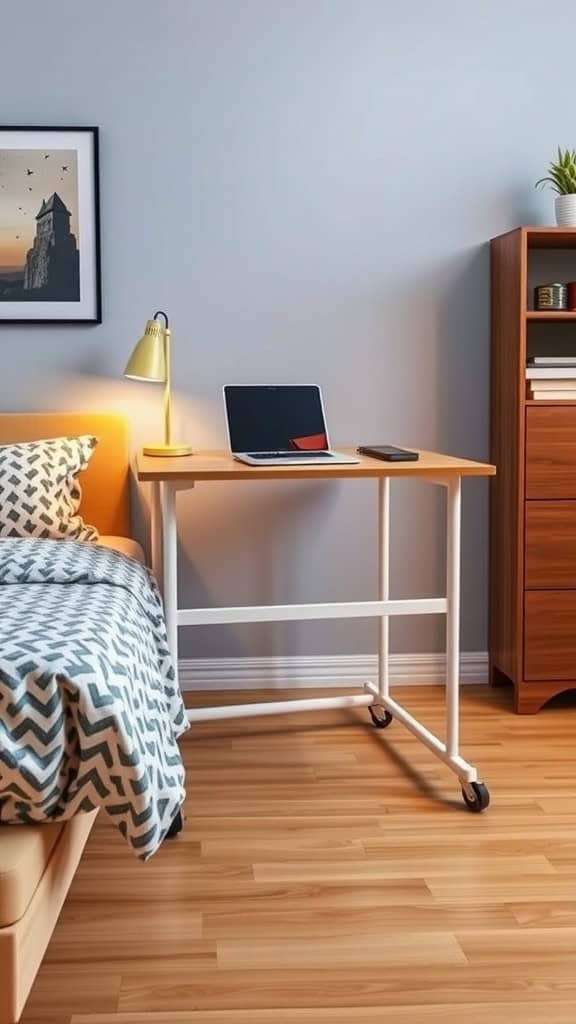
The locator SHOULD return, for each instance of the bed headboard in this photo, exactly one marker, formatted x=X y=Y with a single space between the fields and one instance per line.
x=105 y=484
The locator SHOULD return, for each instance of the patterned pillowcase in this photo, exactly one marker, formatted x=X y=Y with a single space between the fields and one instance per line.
x=39 y=489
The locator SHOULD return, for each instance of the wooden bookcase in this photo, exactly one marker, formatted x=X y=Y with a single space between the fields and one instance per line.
x=533 y=497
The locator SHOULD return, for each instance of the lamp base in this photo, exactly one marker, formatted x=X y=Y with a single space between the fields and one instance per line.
x=167 y=450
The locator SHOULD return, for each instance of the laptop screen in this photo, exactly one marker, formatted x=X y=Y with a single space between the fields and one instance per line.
x=280 y=418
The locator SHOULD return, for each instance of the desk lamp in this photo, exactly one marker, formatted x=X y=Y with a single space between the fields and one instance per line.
x=150 y=361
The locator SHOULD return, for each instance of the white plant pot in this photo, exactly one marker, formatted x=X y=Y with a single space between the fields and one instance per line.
x=566 y=211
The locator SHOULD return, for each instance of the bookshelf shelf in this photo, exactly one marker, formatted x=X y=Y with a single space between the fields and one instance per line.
x=546 y=237
x=544 y=401
x=549 y=316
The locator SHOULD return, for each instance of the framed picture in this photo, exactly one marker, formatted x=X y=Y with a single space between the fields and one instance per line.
x=49 y=226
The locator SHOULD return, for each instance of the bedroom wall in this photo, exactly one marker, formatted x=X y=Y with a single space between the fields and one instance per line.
x=307 y=188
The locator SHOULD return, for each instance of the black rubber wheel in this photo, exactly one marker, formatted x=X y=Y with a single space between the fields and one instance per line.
x=176 y=827
x=380 y=718
x=476 y=796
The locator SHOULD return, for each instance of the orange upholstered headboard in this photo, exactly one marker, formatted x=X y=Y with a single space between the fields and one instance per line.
x=105 y=484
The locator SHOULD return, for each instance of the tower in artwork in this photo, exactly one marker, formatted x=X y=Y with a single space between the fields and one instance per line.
x=52 y=265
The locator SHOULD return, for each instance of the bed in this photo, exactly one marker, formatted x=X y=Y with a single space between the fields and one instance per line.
x=38 y=861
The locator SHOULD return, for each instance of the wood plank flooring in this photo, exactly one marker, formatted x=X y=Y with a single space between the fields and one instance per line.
x=329 y=872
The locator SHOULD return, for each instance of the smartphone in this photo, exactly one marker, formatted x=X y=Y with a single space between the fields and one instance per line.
x=388 y=453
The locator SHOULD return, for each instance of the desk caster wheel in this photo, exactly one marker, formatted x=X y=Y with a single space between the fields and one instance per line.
x=380 y=717
x=476 y=796
x=176 y=827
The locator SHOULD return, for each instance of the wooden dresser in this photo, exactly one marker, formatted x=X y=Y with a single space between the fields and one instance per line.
x=533 y=497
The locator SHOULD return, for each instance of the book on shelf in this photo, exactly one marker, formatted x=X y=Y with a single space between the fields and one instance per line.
x=561 y=384
x=551 y=373
x=553 y=396
x=552 y=361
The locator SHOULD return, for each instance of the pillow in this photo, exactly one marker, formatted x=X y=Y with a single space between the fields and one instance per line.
x=39 y=489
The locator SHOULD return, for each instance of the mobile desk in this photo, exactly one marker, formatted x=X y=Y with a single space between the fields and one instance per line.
x=168 y=475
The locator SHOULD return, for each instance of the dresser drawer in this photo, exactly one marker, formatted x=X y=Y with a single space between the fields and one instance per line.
x=551 y=451
x=549 y=635
x=550 y=544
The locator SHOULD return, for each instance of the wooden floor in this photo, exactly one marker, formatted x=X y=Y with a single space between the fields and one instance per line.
x=329 y=873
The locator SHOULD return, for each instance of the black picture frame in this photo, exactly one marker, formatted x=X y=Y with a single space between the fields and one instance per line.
x=77 y=298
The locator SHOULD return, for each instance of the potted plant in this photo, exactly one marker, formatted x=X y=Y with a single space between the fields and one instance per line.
x=561 y=178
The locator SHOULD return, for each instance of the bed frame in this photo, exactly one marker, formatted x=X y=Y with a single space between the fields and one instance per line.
x=105 y=504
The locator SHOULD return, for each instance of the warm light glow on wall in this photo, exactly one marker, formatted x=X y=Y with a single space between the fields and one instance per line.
x=138 y=401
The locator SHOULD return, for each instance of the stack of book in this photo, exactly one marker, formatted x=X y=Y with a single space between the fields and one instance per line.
x=552 y=379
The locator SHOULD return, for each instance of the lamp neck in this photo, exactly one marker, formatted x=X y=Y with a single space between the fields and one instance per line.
x=167 y=385
x=168 y=382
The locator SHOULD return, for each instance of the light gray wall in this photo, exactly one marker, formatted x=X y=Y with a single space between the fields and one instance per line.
x=307 y=186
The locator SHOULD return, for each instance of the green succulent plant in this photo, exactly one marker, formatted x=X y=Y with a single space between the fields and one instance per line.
x=561 y=177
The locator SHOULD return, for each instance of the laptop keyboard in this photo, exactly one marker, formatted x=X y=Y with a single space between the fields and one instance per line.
x=289 y=455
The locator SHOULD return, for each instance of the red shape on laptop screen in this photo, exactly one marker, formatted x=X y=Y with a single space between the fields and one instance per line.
x=311 y=443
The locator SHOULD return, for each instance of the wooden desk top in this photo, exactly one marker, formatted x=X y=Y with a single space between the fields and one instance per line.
x=219 y=465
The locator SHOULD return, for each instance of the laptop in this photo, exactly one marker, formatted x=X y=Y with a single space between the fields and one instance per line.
x=279 y=425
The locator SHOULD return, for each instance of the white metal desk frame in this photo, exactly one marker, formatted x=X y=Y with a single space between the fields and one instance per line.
x=165 y=565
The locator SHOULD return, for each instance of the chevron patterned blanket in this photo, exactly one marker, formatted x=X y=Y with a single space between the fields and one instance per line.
x=89 y=709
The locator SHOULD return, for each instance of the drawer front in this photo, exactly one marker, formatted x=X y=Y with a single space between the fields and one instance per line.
x=549 y=635
x=550 y=544
x=551 y=452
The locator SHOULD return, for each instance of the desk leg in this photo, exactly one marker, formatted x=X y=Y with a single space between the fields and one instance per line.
x=155 y=532
x=453 y=617
x=382 y=717
x=475 y=793
x=384 y=709
x=170 y=566
x=384 y=584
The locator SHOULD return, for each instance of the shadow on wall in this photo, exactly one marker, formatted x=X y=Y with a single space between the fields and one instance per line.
x=462 y=344
x=462 y=387
x=257 y=555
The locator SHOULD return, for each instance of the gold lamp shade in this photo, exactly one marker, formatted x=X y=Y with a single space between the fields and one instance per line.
x=150 y=360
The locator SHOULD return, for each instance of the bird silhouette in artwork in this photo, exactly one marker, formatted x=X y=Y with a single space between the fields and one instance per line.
x=19 y=207
x=64 y=168
x=29 y=172
x=46 y=156
x=17 y=236
x=29 y=189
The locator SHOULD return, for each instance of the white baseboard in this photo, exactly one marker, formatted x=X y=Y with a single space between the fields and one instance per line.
x=319 y=670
